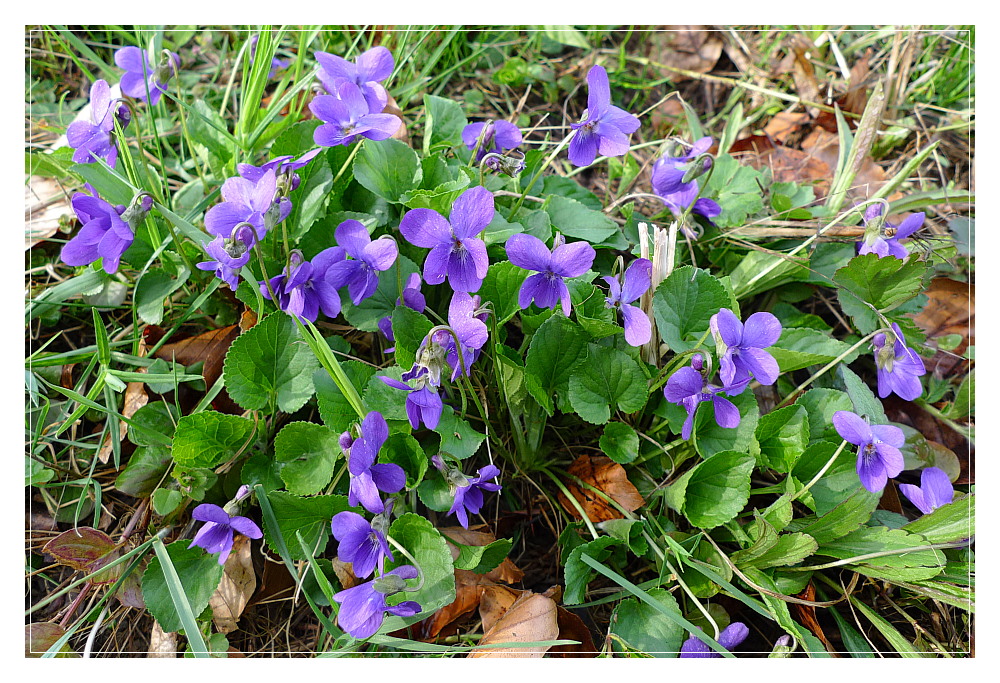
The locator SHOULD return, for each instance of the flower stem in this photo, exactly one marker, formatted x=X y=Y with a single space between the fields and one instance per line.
x=538 y=173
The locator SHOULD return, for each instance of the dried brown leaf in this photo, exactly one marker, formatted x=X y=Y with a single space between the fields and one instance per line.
x=530 y=618
x=234 y=591
x=606 y=475
x=824 y=146
x=38 y=638
x=571 y=627
x=785 y=124
x=161 y=645
x=950 y=309
x=689 y=47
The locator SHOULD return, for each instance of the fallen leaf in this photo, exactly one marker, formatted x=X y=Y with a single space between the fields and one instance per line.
x=824 y=146
x=667 y=115
x=161 y=644
x=234 y=591
x=495 y=602
x=130 y=592
x=45 y=204
x=571 y=627
x=785 y=124
x=530 y=618
x=469 y=588
x=787 y=165
x=689 y=47
x=507 y=571
x=38 y=638
x=803 y=72
x=950 y=309
x=807 y=616
x=87 y=550
x=209 y=347
x=602 y=473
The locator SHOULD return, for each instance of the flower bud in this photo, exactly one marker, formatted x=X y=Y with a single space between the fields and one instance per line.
x=389 y=584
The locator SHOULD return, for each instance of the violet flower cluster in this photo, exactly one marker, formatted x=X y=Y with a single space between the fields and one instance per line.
x=490 y=137
x=690 y=386
x=107 y=231
x=935 y=490
x=678 y=196
x=879 y=457
x=547 y=287
x=367 y=476
x=742 y=353
x=363 y=608
x=729 y=638
x=216 y=535
x=141 y=80
x=605 y=128
x=92 y=138
x=898 y=367
x=356 y=98
x=634 y=282
x=467 y=491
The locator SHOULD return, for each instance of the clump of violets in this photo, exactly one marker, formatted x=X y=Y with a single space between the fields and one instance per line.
x=347 y=116
x=898 y=367
x=140 y=79
x=366 y=73
x=633 y=283
x=367 y=476
x=547 y=287
x=934 y=491
x=106 y=230
x=412 y=298
x=229 y=255
x=669 y=172
x=689 y=386
x=741 y=348
x=882 y=237
x=363 y=608
x=216 y=535
x=92 y=138
x=879 y=457
x=729 y=638
x=455 y=250
x=248 y=201
x=304 y=288
x=362 y=543
x=491 y=137
x=468 y=491
x=605 y=128
x=368 y=258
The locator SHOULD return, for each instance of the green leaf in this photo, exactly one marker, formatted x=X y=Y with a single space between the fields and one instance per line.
x=261 y=469
x=365 y=316
x=737 y=189
x=567 y=187
x=557 y=346
x=964 y=404
x=389 y=401
x=683 y=305
x=405 y=451
x=109 y=186
x=152 y=290
x=711 y=438
x=209 y=133
x=575 y=220
x=620 y=442
x=949 y=523
x=308 y=516
x=334 y=407
x=760 y=271
x=457 y=437
x=306 y=453
x=788 y=549
x=409 y=328
x=144 y=471
x=481 y=559
x=428 y=546
x=310 y=198
x=199 y=573
x=387 y=168
x=607 y=381
x=865 y=403
x=908 y=564
x=718 y=489
x=854 y=643
x=628 y=531
x=208 y=438
x=838 y=483
x=166 y=501
x=646 y=629
x=844 y=518
x=270 y=364
x=439 y=199
x=578 y=574
x=296 y=139
x=885 y=283
x=783 y=435
x=800 y=347
x=502 y=283
x=445 y=121
x=821 y=404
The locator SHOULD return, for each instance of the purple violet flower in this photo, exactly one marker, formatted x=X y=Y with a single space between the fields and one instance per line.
x=884 y=240
x=668 y=172
x=365 y=72
x=878 y=448
x=412 y=299
x=367 y=476
x=362 y=543
x=605 y=128
x=304 y=288
x=934 y=491
x=283 y=167
x=688 y=388
x=626 y=289
x=216 y=536
x=455 y=250
x=729 y=637
x=468 y=492
x=423 y=403
x=546 y=288
x=363 y=608
x=898 y=367
x=470 y=329
x=107 y=230
x=360 y=273
x=229 y=255
x=140 y=76
x=499 y=136
x=248 y=201
x=744 y=344
x=347 y=116
x=679 y=202
x=92 y=139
